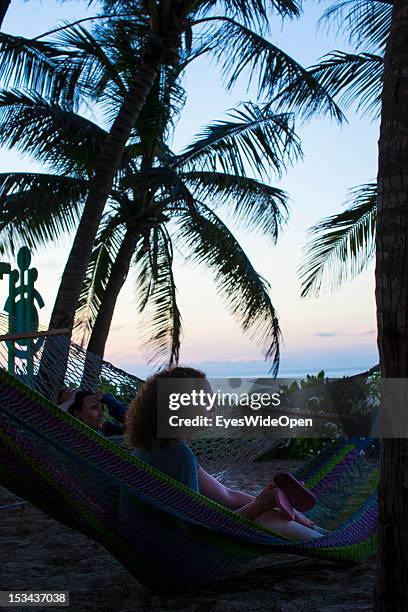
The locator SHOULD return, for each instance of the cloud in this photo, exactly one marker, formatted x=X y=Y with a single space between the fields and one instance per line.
x=368 y=332
x=354 y=334
x=325 y=334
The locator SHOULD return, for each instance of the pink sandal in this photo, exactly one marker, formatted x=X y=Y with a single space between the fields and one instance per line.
x=283 y=504
x=295 y=493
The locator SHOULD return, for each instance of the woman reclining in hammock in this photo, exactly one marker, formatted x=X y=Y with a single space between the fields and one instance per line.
x=176 y=459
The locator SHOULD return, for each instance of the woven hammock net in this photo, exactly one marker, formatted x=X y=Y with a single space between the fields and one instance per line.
x=165 y=534
x=220 y=456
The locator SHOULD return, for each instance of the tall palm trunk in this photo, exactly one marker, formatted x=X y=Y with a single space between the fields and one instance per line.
x=100 y=331
x=392 y=309
x=101 y=185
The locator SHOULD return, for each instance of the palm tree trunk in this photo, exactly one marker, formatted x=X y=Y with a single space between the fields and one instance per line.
x=100 y=332
x=392 y=309
x=100 y=187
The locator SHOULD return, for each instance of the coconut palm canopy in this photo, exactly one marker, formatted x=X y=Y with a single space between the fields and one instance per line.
x=166 y=33
x=341 y=246
x=159 y=198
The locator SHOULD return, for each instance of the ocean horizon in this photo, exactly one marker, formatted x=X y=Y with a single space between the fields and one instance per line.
x=258 y=369
x=299 y=373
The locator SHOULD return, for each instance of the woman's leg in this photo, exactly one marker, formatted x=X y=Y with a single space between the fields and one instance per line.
x=273 y=520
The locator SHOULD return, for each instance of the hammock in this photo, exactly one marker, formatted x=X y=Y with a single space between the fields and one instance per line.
x=220 y=457
x=168 y=536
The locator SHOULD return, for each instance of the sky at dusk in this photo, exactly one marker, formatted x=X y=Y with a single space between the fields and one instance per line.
x=336 y=332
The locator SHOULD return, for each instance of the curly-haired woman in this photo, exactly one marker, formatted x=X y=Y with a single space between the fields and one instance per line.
x=176 y=459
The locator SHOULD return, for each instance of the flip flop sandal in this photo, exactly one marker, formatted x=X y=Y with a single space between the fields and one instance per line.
x=298 y=496
x=283 y=504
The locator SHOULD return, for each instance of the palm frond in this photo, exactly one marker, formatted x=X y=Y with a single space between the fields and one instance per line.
x=101 y=63
x=150 y=179
x=240 y=50
x=124 y=40
x=29 y=64
x=341 y=246
x=366 y=23
x=249 y=203
x=244 y=291
x=36 y=209
x=162 y=325
x=88 y=60
x=255 y=12
x=351 y=79
x=161 y=110
x=254 y=136
x=51 y=133
x=107 y=245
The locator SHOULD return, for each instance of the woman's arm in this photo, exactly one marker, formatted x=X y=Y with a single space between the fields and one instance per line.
x=244 y=504
x=212 y=488
x=117 y=409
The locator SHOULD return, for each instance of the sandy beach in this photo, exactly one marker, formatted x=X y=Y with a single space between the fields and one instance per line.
x=37 y=553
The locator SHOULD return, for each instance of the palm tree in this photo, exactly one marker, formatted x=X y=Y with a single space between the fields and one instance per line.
x=164 y=35
x=378 y=81
x=341 y=246
x=64 y=73
x=173 y=191
x=392 y=306
x=152 y=186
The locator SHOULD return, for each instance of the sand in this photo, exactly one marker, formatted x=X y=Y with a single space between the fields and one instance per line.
x=37 y=553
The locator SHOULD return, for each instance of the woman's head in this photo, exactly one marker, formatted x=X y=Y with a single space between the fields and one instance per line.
x=88 y=408
x=141 y=419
